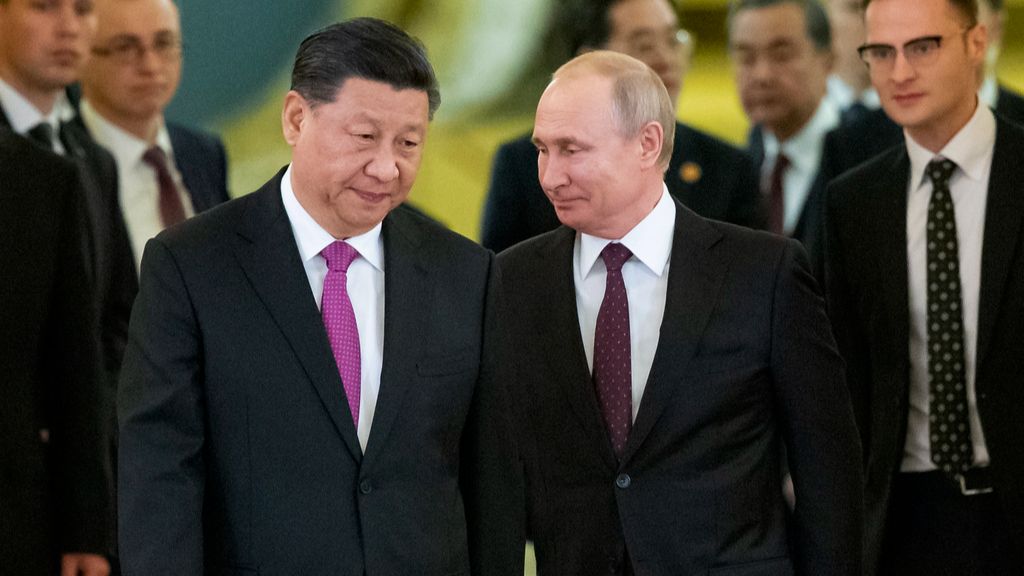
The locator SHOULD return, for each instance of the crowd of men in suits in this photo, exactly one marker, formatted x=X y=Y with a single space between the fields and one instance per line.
x=686 y=359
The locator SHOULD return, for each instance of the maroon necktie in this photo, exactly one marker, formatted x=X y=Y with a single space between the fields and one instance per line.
x=340 y=321
x=612 y=370
x=776 y=195
x=171 y=209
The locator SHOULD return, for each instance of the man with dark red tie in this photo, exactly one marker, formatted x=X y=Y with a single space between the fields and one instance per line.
x=661 y=359
x=312 y=383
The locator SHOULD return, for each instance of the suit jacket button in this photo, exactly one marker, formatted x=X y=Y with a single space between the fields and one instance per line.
x=365 y=487
x=623 y=481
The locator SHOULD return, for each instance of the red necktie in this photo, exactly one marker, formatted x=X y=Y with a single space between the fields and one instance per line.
x=777 y=196
x=613 y=380
x=171 y=209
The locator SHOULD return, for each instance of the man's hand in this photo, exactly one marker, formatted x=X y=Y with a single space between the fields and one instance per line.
x=84 y=565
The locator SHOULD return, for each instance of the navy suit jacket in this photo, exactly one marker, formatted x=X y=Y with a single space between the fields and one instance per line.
x=712 y=178
x=202 y=163
x=745 y=361
x=867 y=293
x=238 y=454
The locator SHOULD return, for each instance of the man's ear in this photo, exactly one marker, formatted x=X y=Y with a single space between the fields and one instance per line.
x=652 y=140
x=293 y=116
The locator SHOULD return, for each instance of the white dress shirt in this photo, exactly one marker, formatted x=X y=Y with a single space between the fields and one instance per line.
x=843 y=95
x=138 y=188
x=646 y=278
x=804 y=152
x=365 y=290
x=23 y=115
x=971 y=149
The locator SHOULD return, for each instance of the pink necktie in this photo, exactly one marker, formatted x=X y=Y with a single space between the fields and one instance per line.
x=613 y=379
x=340 y=321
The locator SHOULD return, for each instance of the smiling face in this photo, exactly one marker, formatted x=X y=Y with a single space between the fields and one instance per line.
x=355 y=158
x=43 y=45
x=598 y=180
x=931 y=101
x=134 y=92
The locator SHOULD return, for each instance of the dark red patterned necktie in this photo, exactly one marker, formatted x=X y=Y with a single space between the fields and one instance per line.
x=612 y=370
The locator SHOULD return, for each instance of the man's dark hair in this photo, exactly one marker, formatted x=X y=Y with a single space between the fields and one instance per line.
x=587 y=23
x=365 y=48
x=815 y=18
x=967 y=8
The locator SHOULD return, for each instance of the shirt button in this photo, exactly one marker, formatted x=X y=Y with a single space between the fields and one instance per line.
x=365 y=487
x=623 y=481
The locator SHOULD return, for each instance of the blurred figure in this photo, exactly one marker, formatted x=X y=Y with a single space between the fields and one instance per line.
x=661 y=358
x=926 y=296
x=860 y=140
x=707 y=175
x=782 y=53
x=56 y=499
x=312 y=385
x=849 y=86
x=166 y=172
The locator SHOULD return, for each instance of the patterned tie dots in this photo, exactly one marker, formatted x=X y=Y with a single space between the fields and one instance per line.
x=948 y=425
x=613 y=373
x=340 y=321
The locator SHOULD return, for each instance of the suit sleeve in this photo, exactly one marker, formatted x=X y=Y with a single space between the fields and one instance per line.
x=818 y=425
x=160 y=415
x=83 y=474
x=490 y=475
x=503 y=206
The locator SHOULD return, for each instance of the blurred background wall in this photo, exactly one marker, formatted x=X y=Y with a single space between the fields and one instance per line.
x=493 y=58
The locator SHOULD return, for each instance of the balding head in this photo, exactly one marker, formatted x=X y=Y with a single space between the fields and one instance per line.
x=638 y=95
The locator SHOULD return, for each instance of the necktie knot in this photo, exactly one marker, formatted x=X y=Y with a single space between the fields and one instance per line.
x=155 y=157
x=614 y=256
x=42 y=134
x=339 y=254
x=940 y=171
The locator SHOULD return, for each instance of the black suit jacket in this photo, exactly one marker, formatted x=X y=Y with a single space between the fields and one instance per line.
x=112 y=269
x=709 y=176
x=202 y=163
x=56 y=489
x=853 y=144
x=867 y=288
x=745 y=360
x=238 y=454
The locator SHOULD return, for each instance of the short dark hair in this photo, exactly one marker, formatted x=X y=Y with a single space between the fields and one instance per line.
x=967 y=8
x=815 y=18
x=365 y=48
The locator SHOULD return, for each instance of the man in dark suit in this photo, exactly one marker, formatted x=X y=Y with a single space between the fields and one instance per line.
x=41 y=54
x=925 y=267
x=709 y=176
x=660 y=359
x=860 y=140
x=782 y=52
x=311 y=386
x=56 y=488
x=166 y=172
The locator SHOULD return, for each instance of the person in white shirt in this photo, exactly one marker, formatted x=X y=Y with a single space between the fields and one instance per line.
x=925 y=276
x=166 y=172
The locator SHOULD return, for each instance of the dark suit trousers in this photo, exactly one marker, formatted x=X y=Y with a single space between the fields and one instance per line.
x=934 y=530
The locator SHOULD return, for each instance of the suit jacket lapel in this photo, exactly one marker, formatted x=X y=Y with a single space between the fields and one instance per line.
x=695 y=274
x=558 y=330
x=890 y=218
x=406 y=308
x=1003 y=215
x=270 y=258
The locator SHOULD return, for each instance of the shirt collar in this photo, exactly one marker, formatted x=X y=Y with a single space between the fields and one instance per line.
x=803 y=148
x=23 y=115
x=312 y=238
x=650 y=240
x=989 y=91
x=126 y=148
x=971 y=148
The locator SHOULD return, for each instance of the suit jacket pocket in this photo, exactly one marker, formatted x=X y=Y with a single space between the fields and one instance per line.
x=773 y=567
x=447 y=364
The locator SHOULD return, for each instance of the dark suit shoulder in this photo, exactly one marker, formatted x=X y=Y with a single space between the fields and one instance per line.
x=205 y=141
x=424 y=230
x=1010 y=105
x=708 y=145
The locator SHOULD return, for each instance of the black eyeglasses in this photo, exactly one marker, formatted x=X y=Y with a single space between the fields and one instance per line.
x=129 y=50
x=918 y=52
